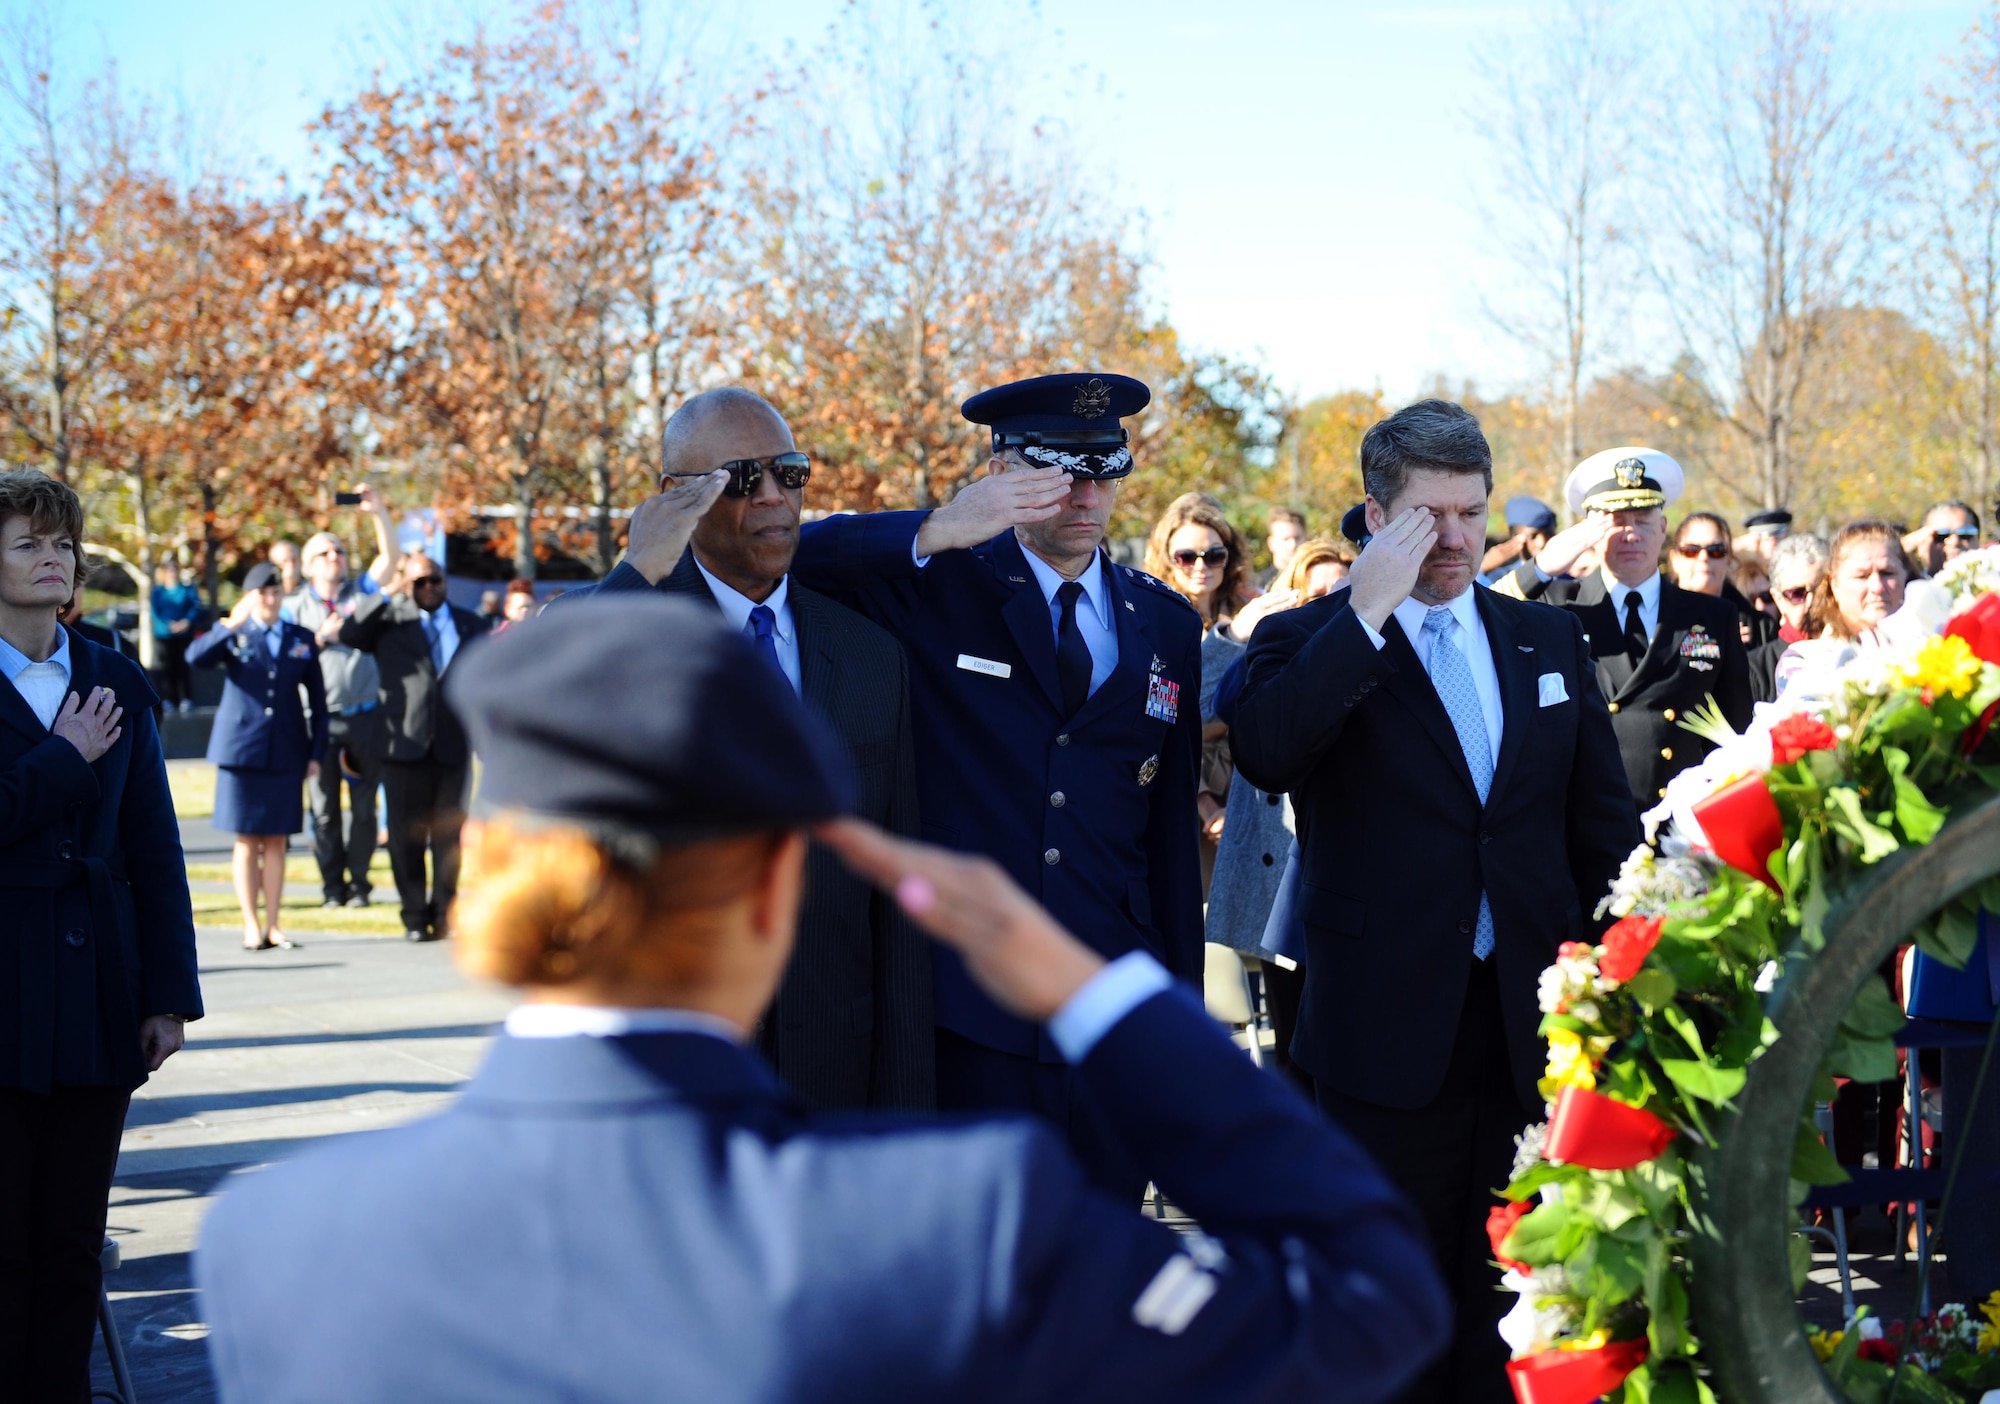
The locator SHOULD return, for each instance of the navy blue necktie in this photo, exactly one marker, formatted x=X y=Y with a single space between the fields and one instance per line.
x=764 y=628
x=1072 y=654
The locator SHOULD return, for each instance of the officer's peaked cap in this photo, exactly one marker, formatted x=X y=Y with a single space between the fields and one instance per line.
x=1065 y=421
x=637 y=715
x=1623 y=480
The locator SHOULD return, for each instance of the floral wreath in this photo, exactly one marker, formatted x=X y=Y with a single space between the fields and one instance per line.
x=1776 y=875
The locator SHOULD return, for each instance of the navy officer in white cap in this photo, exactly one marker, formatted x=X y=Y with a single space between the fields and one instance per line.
x=627 y=1205
x=1054 y=694
x=1661 y=651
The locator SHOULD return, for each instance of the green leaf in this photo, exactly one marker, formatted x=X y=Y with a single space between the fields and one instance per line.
x=1538 y=1237
x=1799 y=1248
x=1812 y=1162
x=1535 y=1176
x=1919 y=818
x=1667 y=1330
x=1950 y=937
x=1847 y=819
x=1863 y=1059
x=1874 y=1013
x=1607 y=1269
x=1703 y=1080
x=1654 y=987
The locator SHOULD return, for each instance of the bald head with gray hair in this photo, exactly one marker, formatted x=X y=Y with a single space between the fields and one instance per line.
x=684 y=426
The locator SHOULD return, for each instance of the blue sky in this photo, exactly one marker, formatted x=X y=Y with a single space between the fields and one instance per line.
x=1304 y=169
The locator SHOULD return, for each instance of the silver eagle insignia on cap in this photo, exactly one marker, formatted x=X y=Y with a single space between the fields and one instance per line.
x=1630 y=472
x=1093 y=399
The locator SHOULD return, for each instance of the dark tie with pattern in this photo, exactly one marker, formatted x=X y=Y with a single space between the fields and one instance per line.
x=1072 y=655
x=434 y=636
x=1635 y=628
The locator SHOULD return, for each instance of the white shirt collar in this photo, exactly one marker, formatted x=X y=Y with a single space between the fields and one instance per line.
x=736 y=606
x=13 y=662
x=1649 y=590
x=1464 y=608
x=596 y=1021
x=1092 y=580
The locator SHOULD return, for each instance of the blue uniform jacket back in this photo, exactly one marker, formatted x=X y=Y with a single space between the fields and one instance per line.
x=99 y=931
x=261 y=724
x=1093 y=815
x=653 y=1218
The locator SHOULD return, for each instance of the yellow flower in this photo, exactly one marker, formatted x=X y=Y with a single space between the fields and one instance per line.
x=1945 y=666
x=1989 y=1337
x=1825 y=1343
x=1570 y=1063
x=1596 y=1340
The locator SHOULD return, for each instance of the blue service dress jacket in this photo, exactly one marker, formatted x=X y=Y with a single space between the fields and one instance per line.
x=100 y=930
x=261 y=724
x=1093 y=814
x=654 y=1218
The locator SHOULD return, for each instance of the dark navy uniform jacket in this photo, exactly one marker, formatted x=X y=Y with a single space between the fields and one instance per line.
x=260 y=724
x=652 y=1218
x=99 y=930
x=1093 y=815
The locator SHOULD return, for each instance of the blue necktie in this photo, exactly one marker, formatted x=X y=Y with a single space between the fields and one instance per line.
x=1451 y=675
x=764 y=630
x=435 y=637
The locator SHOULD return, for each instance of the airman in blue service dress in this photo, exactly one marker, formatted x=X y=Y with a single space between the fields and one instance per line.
x=628 y=1206
x=1085 y=795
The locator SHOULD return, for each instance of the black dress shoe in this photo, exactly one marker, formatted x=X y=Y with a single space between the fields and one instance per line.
x=419 y=936
x=359 y=899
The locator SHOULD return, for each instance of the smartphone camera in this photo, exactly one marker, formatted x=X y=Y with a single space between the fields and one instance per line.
x=347 y=499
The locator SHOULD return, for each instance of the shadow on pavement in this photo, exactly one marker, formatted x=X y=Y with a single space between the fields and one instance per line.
x=154 y=1111
x=374 y=1036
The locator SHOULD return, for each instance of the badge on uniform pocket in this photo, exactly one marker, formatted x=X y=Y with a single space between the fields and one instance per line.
x=1148 y=771
x=299 y=650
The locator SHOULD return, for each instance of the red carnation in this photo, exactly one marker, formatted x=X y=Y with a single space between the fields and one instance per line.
x=1794 y=735
x=1979 y=626
x=1626 y=945
x=1879 y=1351
x=1500 y=1221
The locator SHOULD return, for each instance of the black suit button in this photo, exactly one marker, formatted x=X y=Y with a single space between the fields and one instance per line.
x=1063 y=740
x=1465 y=928
x=1485 y=837
x=1273 y=799
x=73 y=939
x=65 y=849
x=1269 y=861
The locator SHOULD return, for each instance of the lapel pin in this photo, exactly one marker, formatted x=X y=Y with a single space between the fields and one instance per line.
x=1525 y=648
x=1129 y=605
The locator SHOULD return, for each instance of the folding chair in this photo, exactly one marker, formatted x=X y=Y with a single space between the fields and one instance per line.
x=1226 y=992
x=114 y=1349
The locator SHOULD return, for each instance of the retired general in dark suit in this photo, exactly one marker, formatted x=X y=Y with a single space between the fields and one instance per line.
x=1461 y=808
x=851 y=1026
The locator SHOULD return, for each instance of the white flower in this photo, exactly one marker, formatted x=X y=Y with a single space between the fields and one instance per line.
x=1965 y=578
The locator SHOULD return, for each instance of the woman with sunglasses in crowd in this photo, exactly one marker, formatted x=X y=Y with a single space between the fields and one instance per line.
x=1797 y=565
x=1702 y=561
x=1195 y=550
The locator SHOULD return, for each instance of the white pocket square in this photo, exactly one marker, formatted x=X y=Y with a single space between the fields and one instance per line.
x=1552 y=689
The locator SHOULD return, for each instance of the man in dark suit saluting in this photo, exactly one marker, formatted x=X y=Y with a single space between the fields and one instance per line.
x=416 y=635
x=1461 y=808
x=851 y=1025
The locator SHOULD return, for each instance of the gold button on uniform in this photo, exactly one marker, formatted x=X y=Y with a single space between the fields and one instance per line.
x=1613 y=706
x=1668 y=714
x=1666 y=753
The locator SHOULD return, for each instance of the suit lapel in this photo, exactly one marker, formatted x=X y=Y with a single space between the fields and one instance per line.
x=1660 y=647
x=685 y=579
x=819 y=666
x=1125 y=688
x=1517 y=671
x=1410 y=685
x=1026 y=614
x=14 y=708
x=1601 y=622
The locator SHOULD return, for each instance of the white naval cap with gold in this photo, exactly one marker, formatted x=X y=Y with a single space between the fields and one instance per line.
x=1623 y=480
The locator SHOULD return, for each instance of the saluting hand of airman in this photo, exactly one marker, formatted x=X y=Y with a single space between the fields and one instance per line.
x=1010 y=495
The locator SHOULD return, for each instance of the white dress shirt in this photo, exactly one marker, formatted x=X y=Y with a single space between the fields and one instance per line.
x=1093 y=612
x=42 y=685
x=1472 y=642
x=1086 y=1017
x=1648 y=591
x=736 y=607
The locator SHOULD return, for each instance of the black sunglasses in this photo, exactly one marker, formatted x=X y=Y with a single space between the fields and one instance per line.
x=427 y=580
x=792 y=470
x=1714 y=550
x=1212 y=557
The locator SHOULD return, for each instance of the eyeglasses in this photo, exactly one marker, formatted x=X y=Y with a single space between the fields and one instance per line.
x=1212 y=557
x=1797 y=595
x=1964 y=533
x=1714 y=550
x=427 y=580
x=792 y=470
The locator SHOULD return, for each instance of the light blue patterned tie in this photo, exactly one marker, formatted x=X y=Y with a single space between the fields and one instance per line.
x=1451 y=675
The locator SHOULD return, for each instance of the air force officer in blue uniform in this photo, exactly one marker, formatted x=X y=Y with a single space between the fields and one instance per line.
x=627 y=1205
x=1054 y=696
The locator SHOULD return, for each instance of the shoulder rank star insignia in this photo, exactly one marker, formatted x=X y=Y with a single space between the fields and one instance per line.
x=1093 y=398
x=1630 y=472
x=1148 y=771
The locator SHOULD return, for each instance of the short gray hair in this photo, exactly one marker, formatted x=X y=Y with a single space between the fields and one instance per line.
x=1802 y=548
x=1435 y=434
x=684 y=423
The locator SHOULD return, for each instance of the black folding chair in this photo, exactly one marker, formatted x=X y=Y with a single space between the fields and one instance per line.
x=107 y=1326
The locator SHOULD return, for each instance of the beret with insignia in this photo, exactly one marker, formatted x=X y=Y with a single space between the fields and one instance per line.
x=1775 y=520
x=1067 y=421
x=637 y=716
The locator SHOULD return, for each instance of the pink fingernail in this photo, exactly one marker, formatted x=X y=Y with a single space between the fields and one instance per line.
x=915 y=895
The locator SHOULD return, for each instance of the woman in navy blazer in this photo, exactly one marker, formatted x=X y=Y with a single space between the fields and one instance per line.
x=264 y=745
x=98 y=973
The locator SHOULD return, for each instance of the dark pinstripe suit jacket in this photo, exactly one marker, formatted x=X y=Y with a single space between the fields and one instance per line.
x=851 y=1025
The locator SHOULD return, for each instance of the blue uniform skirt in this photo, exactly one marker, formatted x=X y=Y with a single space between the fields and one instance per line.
x=258 y=801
